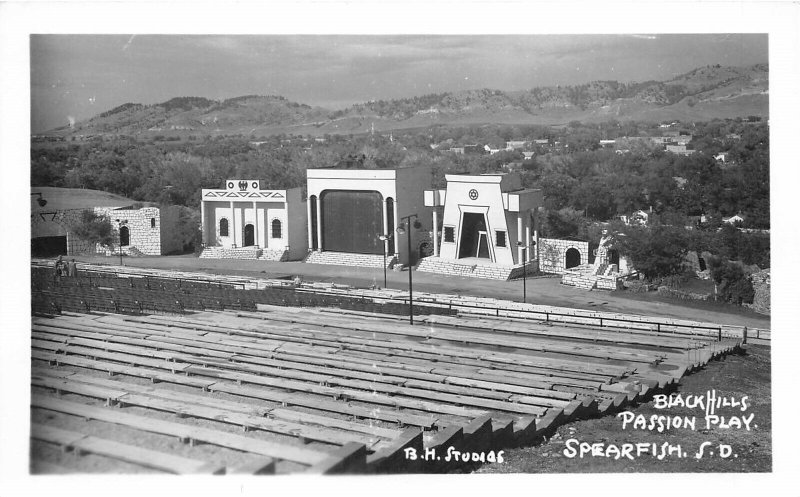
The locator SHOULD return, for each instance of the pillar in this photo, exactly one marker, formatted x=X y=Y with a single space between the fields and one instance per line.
x=232 y=227
x=527 y=237
x=308 y=223
x=520 y=249
x=255 y=225
x=435 y=233
x=202 y=223
x=319 y=222
x=396 y=224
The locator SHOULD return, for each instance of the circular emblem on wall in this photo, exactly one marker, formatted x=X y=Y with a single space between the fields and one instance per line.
x=473 y=194
x=254 y=184
x=230 y=184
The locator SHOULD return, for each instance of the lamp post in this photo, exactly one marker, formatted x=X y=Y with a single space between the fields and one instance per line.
x=525 y=249
x=406 y=221
x=121 y=224
x=384 y=239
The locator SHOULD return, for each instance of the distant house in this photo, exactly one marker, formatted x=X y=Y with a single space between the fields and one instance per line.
x=543 y=141
x=491 y=150
x=639 y=217
x=733 y=219
x=679 y=150
x=515 y=144
x=607 y=143
x=721 y=157
x=457 y=150
x=528 y=155
x=472 y=148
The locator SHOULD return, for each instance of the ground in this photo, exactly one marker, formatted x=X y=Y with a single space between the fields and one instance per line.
x=734 y=376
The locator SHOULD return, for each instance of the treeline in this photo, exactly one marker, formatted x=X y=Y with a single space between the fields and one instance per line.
x=579 y=178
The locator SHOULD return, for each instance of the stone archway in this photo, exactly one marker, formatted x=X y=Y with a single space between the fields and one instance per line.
x=572 y=258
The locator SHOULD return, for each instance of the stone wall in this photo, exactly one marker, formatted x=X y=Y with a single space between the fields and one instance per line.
x=761 y=285
x=553 y=254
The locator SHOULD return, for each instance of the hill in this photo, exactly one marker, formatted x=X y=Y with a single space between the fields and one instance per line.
x=699 y=95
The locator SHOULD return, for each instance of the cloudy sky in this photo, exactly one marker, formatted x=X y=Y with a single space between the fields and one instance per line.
x=78 y=76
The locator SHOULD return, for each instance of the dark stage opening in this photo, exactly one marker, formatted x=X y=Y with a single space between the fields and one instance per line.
x=48 y=246
x=474 y=242
x=352 y=221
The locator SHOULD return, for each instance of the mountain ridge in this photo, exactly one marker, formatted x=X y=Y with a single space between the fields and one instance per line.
x=701 y=94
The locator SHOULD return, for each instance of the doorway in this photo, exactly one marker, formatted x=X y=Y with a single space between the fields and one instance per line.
x=474 y=242
x=249 y=235
x=573 y=258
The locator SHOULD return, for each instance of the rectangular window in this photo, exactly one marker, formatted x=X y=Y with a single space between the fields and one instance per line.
x=152 y=222
x=449 y=234
x=501 y=238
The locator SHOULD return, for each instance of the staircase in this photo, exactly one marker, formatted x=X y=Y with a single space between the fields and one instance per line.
x=349 y=259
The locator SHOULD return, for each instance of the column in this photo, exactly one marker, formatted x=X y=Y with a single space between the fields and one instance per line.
x=255 y=225
x=435 y=233
x=528 y=237
x=319 y=222
x=232 y=226
x=202 y=222
x=308 y=222
x=519 y=238
x=396 y=224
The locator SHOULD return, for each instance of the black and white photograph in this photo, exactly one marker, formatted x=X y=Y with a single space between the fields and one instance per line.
x=429 y=256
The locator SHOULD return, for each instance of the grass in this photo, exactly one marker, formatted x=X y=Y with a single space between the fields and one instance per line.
x=734 y=376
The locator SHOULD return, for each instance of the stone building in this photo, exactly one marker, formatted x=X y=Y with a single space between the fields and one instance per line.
x=55 y=212
x=354 y=215
x=486 y=228
x=242 y=221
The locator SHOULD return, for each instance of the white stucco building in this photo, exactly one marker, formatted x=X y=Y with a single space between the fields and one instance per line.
x=243 y=221
x=354 y=215
x=487 y=226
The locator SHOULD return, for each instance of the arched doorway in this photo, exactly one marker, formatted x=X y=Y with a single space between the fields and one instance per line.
x=249 y=235
x=613 y=257
x=573 y=258
x=124 y=236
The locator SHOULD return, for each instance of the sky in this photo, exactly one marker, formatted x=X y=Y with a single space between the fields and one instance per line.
x=74 y=77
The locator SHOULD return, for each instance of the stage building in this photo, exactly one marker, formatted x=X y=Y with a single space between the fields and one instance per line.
x=139 y=228
x=242 y=221
x=487 y=227
x=354 y=215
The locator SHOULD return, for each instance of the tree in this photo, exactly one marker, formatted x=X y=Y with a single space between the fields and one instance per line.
x=94 y=228
x=656 y=251
x=730 y=281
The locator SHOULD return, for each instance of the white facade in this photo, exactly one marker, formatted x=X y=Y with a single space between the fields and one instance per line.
x=401 y=195
x=485 y=217
x=243 y=216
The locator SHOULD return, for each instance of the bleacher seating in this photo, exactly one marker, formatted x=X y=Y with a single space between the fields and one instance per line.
x=105 y=292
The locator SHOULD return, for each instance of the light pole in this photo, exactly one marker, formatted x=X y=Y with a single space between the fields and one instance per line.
x=121 y=224
x=384 y=239
x=525 y=249
x=406 y=221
